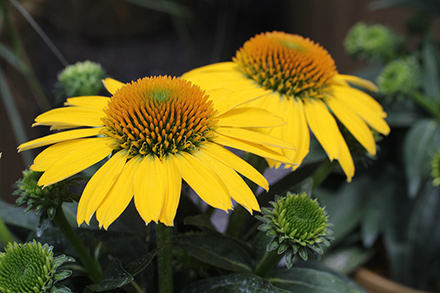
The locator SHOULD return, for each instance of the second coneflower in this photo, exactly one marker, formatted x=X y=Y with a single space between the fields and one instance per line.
x=156 y=131
x=297 y=79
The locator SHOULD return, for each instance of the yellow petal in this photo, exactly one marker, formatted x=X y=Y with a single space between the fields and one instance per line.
x=58 y=137
x=112 y=85
x=346 y=161
x=225 y=100
x=358 y=81
x=204 y=181
x=364 y=106
x=227 y=157
x=323 y=126
x=172 y=191
x=254 y=137
x=216 y=67
x=93 y=102
x=249 y=117
x=254 y=148
x=90 y=151
x=238 y=189
x=99 y=185
x=149 y=188
x=354 y=124
x=119 y=195
x=71 y=115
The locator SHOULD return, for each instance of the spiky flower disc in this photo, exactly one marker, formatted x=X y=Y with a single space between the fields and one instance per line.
x=43 y=199
x=31 y=267
x=298 y=225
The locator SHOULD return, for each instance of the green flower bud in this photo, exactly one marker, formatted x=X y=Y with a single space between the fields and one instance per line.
x=46 y=199
x=371 y=42
x=31 y=267
x=298 y=225
x=81 y=79
x=401 y=76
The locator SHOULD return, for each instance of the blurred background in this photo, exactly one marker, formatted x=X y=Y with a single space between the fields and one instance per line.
x=136 y=38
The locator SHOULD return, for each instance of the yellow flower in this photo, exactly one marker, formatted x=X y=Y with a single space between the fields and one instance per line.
x=156 y=131
x=297 y=79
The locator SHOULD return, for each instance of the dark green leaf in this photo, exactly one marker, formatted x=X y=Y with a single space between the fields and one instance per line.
x=217 y=250
x=138 y=265
x=114 y=277
x=309 y=281
x=420 y=143
x=233 y=283
x=14 y=216
x=202 y=221
x=346 y=260
x=431 y=75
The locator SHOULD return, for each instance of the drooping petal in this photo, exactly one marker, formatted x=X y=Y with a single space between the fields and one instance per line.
x=94 y=102
x=112 y=85
x=354 y=124
x=119 y=195
x=84 y=154
x=323 y=126
x=358 y=81
x=149 y=188
x=241 y=166
x=251 y=147
x=58 y=137
x=172 y=191
x=204 y=181
x=238 y=189
x=254 y=137
x=249 y=117
x=346 y=161
x=72 y=116
x=98 y=186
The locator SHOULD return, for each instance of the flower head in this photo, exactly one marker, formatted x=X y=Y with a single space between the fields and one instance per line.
x=297 y=225
x=371 y=42
x=401 y=76
x=297 y=79
x=156 y=131
x=31 y=267
x=80 y=79
x=43 y=199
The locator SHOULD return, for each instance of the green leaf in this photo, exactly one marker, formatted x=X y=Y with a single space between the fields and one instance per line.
x=233 y=283
x=201 y=221
x=430 y=64
x=14 y=216
x=138 y=265
x=306 y=280
x=114 y=277
x=217 y=250
x=420 y=143
x=347 y=260
x=259 y=245
x=378 y=203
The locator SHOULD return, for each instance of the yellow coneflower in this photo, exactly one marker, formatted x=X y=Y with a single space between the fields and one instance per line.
x=297 y=79
x=156 y=131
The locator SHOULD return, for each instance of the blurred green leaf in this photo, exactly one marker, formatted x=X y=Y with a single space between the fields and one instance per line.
x=201 y=221
x=306 y=280
x=114 y=277
x=420 y=143
x=13 y=59
x=14 y=216
x=217 y=250
x=431 y=76
x=259 y=245
x=138 y=265
x=233 y=283
x=378 y=204
x=347 y=259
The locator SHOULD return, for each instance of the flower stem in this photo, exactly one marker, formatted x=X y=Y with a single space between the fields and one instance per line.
x=427 y=104
x=323 y=170
x=268 y=262
x=92 y=267
x=165 y=270
x=238 y=216
x=5 y=234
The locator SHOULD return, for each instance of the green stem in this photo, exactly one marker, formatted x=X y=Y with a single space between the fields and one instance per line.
x=91 y=265
x=427 y=104
x=165 y=270
x=268 y=262
x=238 y=216
x=5 y=234
x=323 y=170
x=136 y=287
